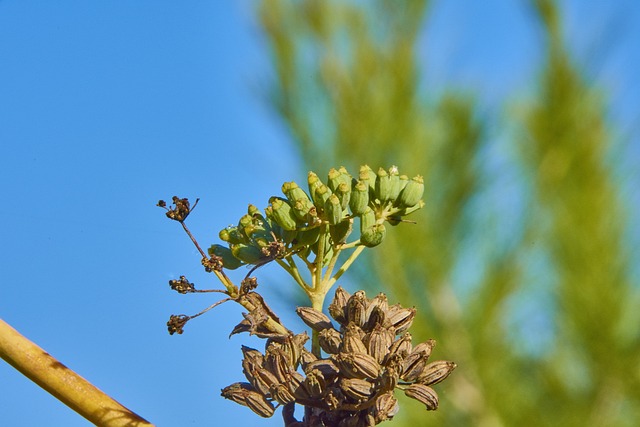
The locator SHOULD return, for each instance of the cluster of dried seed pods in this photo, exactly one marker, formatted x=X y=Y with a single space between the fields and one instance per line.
x=368 y=356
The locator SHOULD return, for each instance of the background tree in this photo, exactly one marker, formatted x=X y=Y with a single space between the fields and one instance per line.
x=528 y=290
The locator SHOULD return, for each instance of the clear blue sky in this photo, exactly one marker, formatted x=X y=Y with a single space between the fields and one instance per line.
x=106 y=107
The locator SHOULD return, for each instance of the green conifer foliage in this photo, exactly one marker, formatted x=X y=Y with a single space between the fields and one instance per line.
x=346 y=84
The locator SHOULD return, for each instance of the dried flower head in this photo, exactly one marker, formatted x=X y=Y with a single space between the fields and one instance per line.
x=180 y=210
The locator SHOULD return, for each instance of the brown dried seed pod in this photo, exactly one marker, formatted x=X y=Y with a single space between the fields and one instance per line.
x=314 y=319
x=381 y=301
x=338 y=305
x=277 y=362
x=351 y=342
x=356 y=310
x=385 y=408
x=377 y=316
x=334 y=398
x=378 y=342
x=294 y=381
x=260 y=405
x=424 y=347
x=413 y=366
x=301 y=394
x=237 y=392
x=282 y=394
x=391 y=374
x=251 y=356
x=314 y=384
x=423 y=394
x=400 y=318
x=435 y=372
x=262 y=380
x=307 y=357
x=251 y=363
x=293 y=346
x=244 y=394
x=357 y=389
x=401 y=346
x=330 y=340
x=357 y=365
x=377 y=310
x=325 y=366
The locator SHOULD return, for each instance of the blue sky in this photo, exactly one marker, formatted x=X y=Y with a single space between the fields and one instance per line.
x=106 y=107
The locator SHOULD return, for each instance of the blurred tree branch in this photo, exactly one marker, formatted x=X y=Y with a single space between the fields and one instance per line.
x=347 y=85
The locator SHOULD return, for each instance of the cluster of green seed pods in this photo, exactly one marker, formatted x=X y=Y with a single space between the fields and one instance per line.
x=297 y=221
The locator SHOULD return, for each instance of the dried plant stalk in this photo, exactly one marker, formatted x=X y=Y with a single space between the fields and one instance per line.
x=64 y=384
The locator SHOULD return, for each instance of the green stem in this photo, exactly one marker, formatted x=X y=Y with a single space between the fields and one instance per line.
x=228 y=284
x=332 y=263
x=63 y=383
x=292 y=269
x=318 y=264
x=344 y=267
x=317 y=301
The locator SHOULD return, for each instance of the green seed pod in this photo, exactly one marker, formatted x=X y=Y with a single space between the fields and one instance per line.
x=383 y=188
x=253 y=210
x=368 y=176
x=337 y=177
x=359 y=200
x=303 y=209
x=232 y=235
x=394 y=183
x=224 y=235
x=247 y=254
x=288 y=236
x=294 y=192
x=344 y=194
x=412 y=192
x=341 y=231
x=244 y=222
x=321 y=195
x=307 y=237
x=345 y=175
x=285 y=236
x=373 y=236
x=314 y=182
x=286 y=188
x=333 y=210
x=228 y=260
x=283 y=214
x=256 y=233
x=404 y=179
x=334 y=179
x=367 y=219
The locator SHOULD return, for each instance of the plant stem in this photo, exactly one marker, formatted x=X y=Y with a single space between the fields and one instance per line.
x=292 y=269
x=319 y=261
x=344 y=267
x=64 y=384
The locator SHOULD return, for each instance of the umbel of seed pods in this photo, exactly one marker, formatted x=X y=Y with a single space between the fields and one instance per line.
x=295 y=221
x=369 y=355
x=368 y=351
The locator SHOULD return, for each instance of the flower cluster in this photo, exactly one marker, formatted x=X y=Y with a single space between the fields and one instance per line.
x=369 y=355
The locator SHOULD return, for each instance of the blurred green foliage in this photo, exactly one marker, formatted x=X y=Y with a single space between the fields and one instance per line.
x=536 y=302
